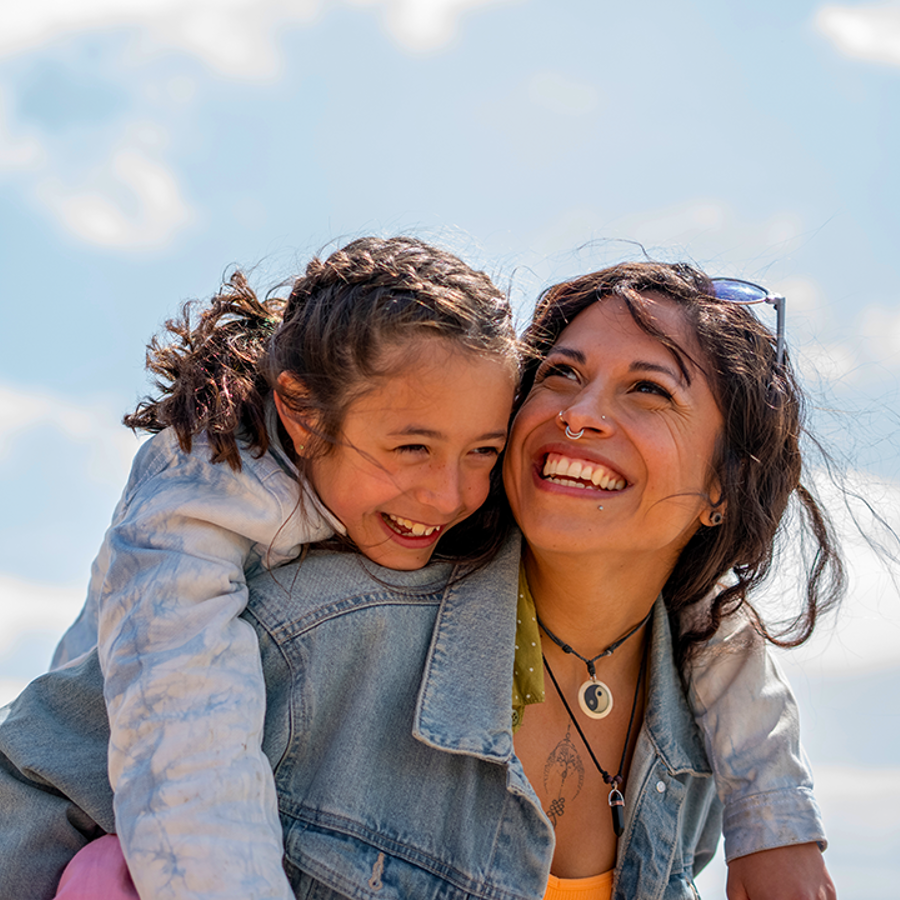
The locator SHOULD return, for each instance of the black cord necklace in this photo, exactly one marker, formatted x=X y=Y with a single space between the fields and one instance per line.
x=594 y=697
x=616 y=800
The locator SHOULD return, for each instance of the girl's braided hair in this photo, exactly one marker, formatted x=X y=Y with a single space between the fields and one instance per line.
x=217 y=364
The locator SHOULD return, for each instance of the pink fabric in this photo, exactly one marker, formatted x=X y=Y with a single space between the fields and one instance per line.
x=97 y=872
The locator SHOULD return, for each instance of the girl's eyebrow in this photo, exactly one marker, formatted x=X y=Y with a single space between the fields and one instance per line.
x=568 y=352
x=419 y=431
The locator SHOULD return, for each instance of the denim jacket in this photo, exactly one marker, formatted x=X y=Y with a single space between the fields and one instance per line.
x=388 y=727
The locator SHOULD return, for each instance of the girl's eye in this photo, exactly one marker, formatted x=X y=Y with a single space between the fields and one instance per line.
x=652 y=387
x=491 y=452
x=412 y=448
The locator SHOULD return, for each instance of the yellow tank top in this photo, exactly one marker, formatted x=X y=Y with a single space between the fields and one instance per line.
x=597 y=887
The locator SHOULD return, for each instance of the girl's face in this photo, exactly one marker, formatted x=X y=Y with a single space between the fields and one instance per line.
x=416 y=451
x=648 y=445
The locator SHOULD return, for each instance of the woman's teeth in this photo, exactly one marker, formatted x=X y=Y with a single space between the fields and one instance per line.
x=407 y=527
x=578 y=473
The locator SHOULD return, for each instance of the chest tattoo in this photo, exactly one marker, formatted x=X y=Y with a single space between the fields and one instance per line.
x=563 y=776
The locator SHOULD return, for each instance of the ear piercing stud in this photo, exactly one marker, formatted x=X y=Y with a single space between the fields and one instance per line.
x=716 y=518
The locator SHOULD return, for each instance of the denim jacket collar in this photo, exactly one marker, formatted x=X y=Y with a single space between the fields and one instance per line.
x=464 y=703
x=668 y=719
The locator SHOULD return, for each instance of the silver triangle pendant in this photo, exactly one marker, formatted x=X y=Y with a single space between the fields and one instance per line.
x=595 y=699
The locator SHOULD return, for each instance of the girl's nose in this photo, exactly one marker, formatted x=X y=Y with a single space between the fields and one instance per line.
x=443 y=491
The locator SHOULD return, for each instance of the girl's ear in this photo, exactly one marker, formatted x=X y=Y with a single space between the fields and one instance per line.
x=296 y=427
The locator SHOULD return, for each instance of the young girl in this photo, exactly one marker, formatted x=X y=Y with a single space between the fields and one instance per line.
x=372 y=406
x=375 y=412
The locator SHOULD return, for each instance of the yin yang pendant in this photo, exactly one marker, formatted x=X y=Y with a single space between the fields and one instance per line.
x=595 y=699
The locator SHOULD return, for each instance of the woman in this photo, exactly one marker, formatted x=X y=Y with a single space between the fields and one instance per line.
x=677 y=404
x=656 y=449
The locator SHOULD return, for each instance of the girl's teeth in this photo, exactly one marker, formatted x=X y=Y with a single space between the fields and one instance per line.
x=418 y=529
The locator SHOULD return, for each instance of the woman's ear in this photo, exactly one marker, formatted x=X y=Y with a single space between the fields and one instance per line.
x=712 y=518
x=297 y=428
x=714 y=514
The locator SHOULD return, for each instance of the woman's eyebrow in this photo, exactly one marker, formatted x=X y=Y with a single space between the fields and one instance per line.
x=682 y=375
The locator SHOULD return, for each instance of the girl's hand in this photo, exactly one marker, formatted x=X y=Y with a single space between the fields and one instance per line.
x=784 y=873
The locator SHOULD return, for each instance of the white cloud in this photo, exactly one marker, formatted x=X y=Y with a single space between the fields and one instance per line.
x=423 y=25
x=132 y=201
x=110 y=445
x=235 y=37
x=868 y=32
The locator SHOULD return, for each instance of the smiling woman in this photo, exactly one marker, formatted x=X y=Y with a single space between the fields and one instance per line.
x=654 y=453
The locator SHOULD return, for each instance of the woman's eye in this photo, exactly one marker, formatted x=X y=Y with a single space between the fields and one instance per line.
x=412 y=448
x=651 y=387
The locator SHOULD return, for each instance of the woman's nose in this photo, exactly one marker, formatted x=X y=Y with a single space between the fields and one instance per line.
x=583 y=417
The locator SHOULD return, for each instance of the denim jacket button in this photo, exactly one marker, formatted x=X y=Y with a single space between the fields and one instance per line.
x=660 y=787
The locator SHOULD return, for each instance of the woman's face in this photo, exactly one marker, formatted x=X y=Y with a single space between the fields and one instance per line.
x=640 y=477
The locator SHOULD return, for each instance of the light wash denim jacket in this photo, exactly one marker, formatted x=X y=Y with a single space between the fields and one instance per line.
x=388 y=727
x=183 y=683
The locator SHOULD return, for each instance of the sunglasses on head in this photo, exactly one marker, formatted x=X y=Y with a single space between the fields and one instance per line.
x=736 y=290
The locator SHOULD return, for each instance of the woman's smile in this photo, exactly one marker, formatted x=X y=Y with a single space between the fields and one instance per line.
x=572 y=471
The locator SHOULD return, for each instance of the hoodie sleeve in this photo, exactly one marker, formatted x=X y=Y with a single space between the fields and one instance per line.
x=195 y=803
x=748 y=717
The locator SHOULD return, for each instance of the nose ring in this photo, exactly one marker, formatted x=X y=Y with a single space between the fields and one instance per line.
x=571 y=435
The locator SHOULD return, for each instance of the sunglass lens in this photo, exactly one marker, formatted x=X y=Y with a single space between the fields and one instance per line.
x=738 y=291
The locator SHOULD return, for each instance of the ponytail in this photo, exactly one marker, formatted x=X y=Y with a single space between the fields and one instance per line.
x=208 y=373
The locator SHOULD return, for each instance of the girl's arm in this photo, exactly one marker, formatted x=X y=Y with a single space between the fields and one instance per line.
x=748 y=717
x=195 y=804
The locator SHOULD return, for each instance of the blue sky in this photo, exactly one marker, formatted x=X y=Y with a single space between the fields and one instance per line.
x=148 y=145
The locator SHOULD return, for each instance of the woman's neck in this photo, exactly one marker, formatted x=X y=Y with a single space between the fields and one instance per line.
x=602 y=599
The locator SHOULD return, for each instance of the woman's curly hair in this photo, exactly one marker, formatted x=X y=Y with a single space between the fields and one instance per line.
x=758 y=463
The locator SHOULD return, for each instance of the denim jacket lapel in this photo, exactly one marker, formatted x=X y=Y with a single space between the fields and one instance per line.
x=465 y=699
